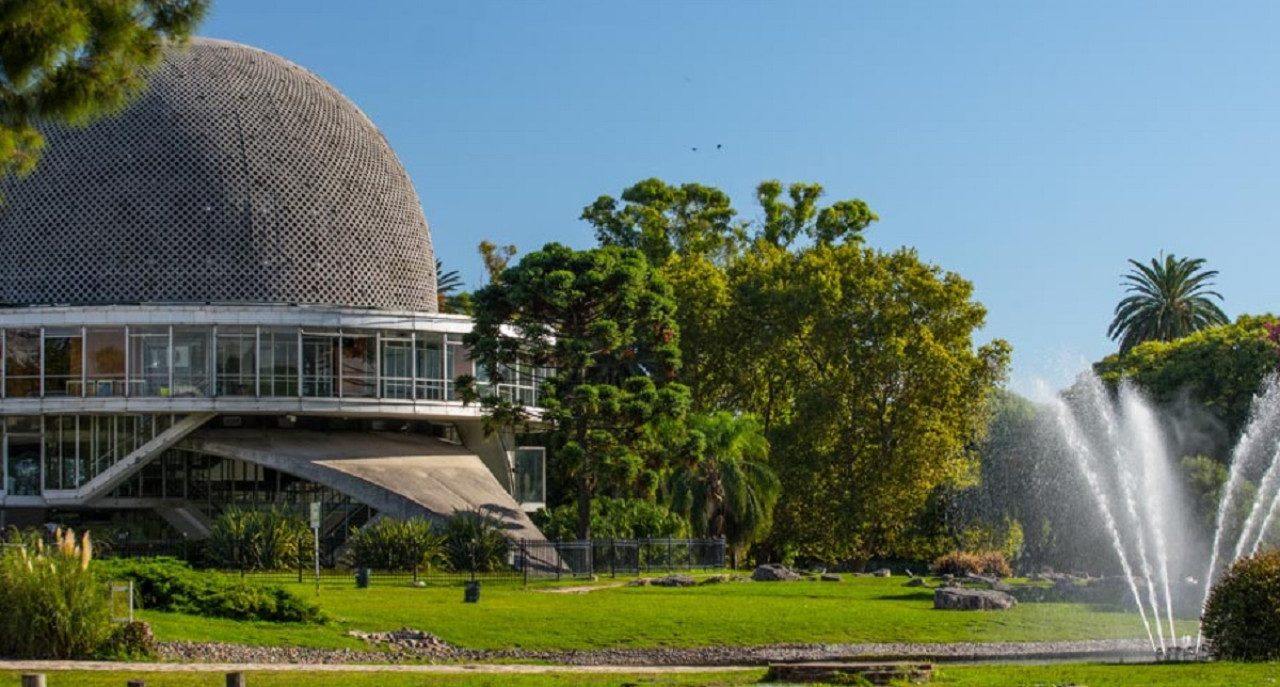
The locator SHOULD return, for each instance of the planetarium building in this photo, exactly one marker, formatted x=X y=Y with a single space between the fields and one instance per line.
x=226 y=295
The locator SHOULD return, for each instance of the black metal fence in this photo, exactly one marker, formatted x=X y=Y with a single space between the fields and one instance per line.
x=526 y=561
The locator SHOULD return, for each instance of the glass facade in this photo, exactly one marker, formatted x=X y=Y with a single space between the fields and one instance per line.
x=242 y=361
x=56 y=449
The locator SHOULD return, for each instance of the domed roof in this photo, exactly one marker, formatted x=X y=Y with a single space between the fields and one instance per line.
x=237 y=177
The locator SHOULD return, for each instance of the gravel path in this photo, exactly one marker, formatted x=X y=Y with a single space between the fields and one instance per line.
x=423 y=647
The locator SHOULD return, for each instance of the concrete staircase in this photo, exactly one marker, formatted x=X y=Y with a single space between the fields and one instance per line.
x=121 y=470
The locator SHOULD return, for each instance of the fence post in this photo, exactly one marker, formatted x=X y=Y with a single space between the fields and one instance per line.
x=558 y=557
x=33 y=680
x=591 y=560
x=670 y=554
x=524 y=560
x=613 y=554
x=236 y=680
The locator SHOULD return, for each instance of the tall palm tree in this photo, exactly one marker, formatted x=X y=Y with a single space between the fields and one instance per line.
x=1168 y=301
x=730 y=491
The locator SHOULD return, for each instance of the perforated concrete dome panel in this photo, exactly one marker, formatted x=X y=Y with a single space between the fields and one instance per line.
x=238 y=177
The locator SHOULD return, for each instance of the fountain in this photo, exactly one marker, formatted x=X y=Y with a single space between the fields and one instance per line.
x=1120 y=448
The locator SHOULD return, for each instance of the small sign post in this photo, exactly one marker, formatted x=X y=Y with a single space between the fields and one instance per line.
x=315 y=529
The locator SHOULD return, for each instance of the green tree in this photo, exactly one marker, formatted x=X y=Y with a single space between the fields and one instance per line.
x=785 y=222
x=691 y=234
x=728 y=490
x=72 y=61
x=661 y=221
x=1168 y=300
x=1216 y=370
x=892 y=396
x=576 y=313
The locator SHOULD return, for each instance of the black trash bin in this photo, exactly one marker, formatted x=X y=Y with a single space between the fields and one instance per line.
x=471 y=593
x=362 y=578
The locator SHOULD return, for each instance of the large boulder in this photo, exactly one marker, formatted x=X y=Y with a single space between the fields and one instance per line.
x=961 y=599
x=774 y=572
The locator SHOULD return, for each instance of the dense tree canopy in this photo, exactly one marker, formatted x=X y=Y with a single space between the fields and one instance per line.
x=858 y=364
x=890 y=395
x=1214 y=372
x=581 y=314
x=1168 y=300
x=73 y=60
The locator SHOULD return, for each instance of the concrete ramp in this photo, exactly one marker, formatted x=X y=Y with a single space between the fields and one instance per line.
x=401 y=475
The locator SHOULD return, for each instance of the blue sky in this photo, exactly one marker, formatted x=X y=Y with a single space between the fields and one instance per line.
x=1032 y=147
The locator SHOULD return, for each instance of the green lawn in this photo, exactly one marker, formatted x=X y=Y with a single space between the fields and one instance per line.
x=81 y=678
x=1185 y=675
x=512 y=615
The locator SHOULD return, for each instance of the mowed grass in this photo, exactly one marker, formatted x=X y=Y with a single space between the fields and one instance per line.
x=1094 y=675
x=84 y=678
x=858 y=610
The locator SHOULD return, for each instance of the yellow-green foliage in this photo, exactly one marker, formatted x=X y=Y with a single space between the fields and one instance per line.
x=1242 y=618
x=52 y=605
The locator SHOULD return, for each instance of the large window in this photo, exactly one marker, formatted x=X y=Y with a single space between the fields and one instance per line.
x=319 y=364
x=22 y=362
x=432 y=383
x=104 y=359
x=63 y=361
x=359 y=366
x=236 y=361
x=191 y=361
x=149 y=361
x=397 y=367
x=531 y=474
x=278 y=362
x=22 y=455
x=63 y=466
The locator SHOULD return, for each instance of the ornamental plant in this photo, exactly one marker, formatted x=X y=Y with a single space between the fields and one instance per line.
x=389 y=544
x=52 y=606
x=474 y=542
x=962 y=563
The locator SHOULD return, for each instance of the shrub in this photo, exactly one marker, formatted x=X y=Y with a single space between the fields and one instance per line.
x=615 y=519
x=130 y=642
x=166 y=584
x=1242 y=618
x=995 y=563
x=473 y=541
x=257 y=540
x=962 y=563
x=957 y=563
x=52 y=605
x=387 y=544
